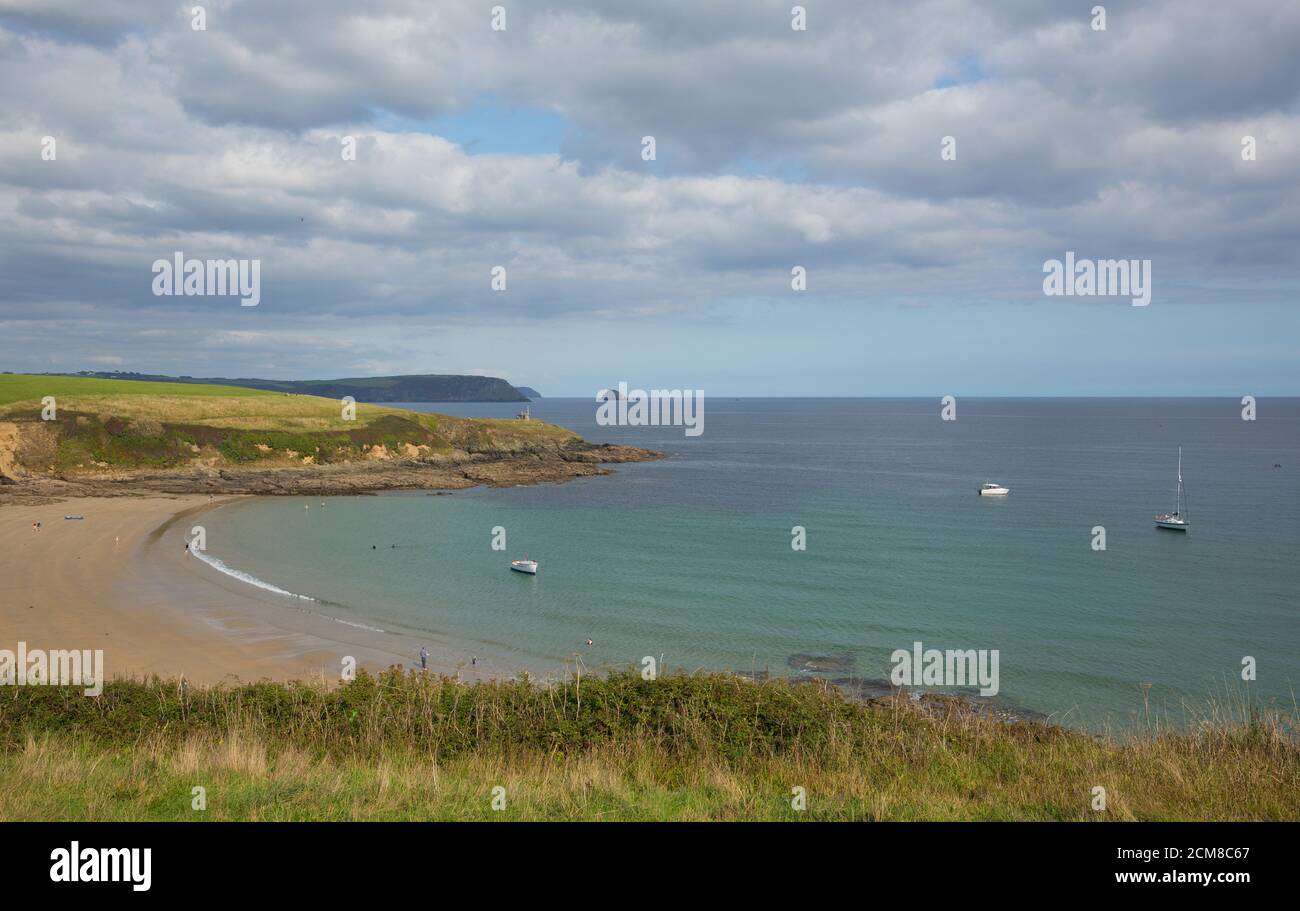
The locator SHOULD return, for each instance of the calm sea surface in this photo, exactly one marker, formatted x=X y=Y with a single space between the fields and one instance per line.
x=690 y=558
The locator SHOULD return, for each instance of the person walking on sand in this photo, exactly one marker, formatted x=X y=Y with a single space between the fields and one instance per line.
x=424 y=658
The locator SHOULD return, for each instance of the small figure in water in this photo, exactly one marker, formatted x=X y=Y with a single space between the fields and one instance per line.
x=473 y=661
x=588 y=643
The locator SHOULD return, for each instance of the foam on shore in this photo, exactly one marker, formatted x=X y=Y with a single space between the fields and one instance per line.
x=219 y=566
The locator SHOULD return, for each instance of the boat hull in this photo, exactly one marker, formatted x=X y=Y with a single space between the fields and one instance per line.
x=1171 y=524
x=530 y=570
x=999 y=492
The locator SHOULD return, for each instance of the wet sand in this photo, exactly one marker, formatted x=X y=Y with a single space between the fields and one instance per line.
x=121 y=580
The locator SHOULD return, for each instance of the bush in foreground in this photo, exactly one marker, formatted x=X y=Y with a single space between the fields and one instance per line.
x=707 y=746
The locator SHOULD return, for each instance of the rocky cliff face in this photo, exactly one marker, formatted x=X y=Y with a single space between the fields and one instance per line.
x=469 y=455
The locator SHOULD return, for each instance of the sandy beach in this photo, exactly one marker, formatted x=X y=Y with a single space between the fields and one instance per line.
x=120 y=579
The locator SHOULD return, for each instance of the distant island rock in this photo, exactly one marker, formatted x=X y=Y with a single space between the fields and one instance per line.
x=419 y=387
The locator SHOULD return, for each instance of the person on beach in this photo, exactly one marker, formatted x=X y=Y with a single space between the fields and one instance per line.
x=473 y=661
x=424 y=658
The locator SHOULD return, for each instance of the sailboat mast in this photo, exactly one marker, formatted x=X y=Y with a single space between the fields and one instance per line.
x=1178 y=492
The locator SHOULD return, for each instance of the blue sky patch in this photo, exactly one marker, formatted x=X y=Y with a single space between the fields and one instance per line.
x=488 y=127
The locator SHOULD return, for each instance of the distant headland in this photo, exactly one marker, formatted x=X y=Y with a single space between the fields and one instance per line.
x=74 y=435
x=416 y=387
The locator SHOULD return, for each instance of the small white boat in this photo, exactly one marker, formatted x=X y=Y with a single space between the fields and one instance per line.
x=524 y=566
x=1176 y=520
x=989 y=489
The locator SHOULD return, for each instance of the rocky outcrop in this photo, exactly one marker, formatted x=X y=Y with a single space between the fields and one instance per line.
x=8 y=450
x=541 y=466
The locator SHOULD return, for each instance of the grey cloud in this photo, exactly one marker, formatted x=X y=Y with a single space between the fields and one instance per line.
x=98 y=22
x=226 y=143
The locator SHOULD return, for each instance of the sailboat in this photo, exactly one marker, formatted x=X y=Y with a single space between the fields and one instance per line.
x=524 y=566
x=1176 y=520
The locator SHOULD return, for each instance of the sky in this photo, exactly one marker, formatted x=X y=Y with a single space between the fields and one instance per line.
x=774 y=148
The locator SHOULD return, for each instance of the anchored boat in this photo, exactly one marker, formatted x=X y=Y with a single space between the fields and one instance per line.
x=1176 y=520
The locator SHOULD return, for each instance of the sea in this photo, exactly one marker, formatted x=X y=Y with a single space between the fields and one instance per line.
x=819 y=537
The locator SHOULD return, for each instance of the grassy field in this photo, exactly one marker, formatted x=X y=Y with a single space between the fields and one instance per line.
x=26 y=388
x=703 y=747
x=126 y=424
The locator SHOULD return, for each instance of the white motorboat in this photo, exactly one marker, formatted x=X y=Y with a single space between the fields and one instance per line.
x=524 y=566
x=1176 y=520
x=989 y=489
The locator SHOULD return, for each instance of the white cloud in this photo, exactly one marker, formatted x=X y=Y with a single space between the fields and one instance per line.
x=776 y=148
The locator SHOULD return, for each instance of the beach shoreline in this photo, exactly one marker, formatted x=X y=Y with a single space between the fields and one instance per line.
x=121 y=579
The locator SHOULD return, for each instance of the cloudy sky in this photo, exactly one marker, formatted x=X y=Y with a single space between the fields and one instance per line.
x=774 y=148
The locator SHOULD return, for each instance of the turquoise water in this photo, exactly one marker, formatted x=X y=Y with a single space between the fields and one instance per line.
x=690 y=558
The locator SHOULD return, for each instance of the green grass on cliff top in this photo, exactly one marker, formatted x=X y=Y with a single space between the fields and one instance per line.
x=135 y=424
x=22 y=387
x=190 y=404
x=21 y=396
